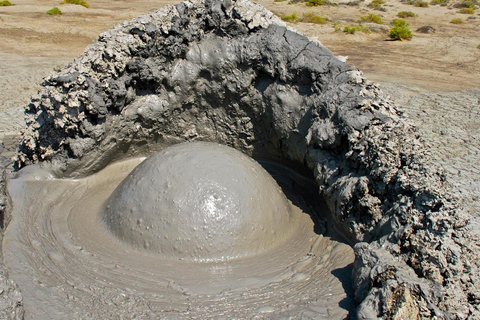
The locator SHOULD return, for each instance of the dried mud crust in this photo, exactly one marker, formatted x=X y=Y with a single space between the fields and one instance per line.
x=233 y=73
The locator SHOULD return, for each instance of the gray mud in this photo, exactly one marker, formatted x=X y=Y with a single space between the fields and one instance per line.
x=203 y=202
x=232 y=73
x=68 y=264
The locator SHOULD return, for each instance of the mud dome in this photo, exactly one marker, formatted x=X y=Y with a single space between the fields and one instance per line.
x=230 y=72
x=200 y=201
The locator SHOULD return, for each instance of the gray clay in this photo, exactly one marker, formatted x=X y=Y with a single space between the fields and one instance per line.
x=200 y=201
x=91 y=261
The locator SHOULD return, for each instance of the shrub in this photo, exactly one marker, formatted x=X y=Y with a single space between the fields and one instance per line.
x=467 y=4
x=400 y=30
x=313 y=18
x=371 y=17
x=337 y=26
x=399 y=23
x=466 y=11
x=418 y=3
x=290 y=18
x=314 y=3
x=5 y=3
x=54 y=11
x=79 y=2
x=307 y=17
x=279 y=0
x=442 y=3
x=406 y=14
x=376 y=4
x=355 y=28
x=457 y=21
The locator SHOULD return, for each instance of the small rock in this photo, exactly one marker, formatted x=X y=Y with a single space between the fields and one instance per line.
x=426 y=29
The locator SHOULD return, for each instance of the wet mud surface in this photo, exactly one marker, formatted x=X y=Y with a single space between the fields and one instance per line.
x=200 y=201
x=68 y=264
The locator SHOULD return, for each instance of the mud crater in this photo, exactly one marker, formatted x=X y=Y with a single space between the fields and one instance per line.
x=180 y=246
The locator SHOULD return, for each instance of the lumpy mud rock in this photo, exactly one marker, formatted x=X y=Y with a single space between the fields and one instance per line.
x=200 y=201
x=231 y=72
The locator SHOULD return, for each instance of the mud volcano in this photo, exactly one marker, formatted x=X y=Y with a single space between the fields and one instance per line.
x=200 y=201
x=228 y=72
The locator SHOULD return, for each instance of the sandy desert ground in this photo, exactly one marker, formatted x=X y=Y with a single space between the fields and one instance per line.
x=434 y=78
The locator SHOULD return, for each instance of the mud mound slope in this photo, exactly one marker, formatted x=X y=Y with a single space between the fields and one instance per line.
x=231 y=72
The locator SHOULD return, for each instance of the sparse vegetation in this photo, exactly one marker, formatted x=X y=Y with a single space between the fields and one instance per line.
x=307 y=17
x=371 y=17
x=376 y=4
x=421 y=4
x=352 y=29
x=290 y=17
x=400 y=30
x=314 y=3
x=5 y=3
x=467 y=4
x=54 y=11
x=442 y=3
x=406 y=14
x=457 y=21
x=279 y=0
x=313 y=18
x=466 y=11
x=79 y=2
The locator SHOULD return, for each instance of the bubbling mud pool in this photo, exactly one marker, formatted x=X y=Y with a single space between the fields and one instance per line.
x=223 y=239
